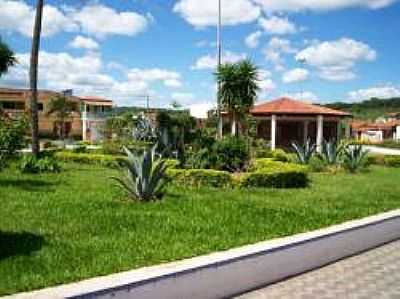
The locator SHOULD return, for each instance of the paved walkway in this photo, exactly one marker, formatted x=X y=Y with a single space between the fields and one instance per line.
x=382 y=150
x=374 y=274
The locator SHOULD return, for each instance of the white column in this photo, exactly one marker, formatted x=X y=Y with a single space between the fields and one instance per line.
x=305 y=131
x=273 y=132
x=339 y=131
x=84 y=124
x=348 y=130
x=320 y=132
x=397 y=132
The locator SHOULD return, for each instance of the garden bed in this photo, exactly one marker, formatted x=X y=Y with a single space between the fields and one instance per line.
x=74 y=225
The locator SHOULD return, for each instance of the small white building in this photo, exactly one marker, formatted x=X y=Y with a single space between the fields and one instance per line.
x=94 y=112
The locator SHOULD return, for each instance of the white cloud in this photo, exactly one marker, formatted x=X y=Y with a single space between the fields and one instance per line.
x=94 y=19
x=253 y=39
x=275 y=49
x=200 y=110
x=210 y=61
x=335 y=60
x=265 y=83
x=307 y=96
x=81 y=42
x=19 y=16
x=382 y=92
x=100 y=20
x=295 y=75
x=168 y=78
x=87 y=75
x=277 y=25
x=205 y=13
x=319 y=5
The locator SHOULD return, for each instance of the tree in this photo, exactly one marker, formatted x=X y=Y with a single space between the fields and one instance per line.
x=62 y=109
x=7 y=58
x=33 y=77
x=238 y=89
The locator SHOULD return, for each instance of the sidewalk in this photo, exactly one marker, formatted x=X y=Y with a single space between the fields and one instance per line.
x=374 y=274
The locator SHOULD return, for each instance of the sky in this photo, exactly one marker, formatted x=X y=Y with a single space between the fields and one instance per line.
x=315 y=50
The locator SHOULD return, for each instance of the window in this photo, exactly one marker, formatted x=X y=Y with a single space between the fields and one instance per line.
x=12 y=105
x=40 y=106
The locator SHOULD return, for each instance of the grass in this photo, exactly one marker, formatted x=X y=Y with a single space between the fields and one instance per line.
x=74 y=225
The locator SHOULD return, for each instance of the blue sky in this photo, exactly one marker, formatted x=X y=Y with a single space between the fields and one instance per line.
x=166 y=48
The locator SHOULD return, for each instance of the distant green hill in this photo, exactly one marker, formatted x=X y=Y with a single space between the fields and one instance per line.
x=369 y=110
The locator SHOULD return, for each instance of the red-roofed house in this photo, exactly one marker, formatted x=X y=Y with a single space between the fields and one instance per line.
x=285 y=120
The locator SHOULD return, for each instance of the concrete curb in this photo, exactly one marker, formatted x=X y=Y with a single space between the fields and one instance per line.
x=228 y=273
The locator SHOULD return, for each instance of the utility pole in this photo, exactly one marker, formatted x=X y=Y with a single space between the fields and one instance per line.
x=219 y=61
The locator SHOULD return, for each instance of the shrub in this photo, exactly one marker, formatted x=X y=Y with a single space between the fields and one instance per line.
x=116 y=147
x=304 y=152
x=12 y=137
x=375 y=159
x=317 y=165
x=31 y=164
x=271 y=164
x=103 y=160
x=331 y=152
x=292 y=177
x=172 y=163
x=145 y=177
x=232 y=154
x=200 y=177
x=392 y=161
x=355 y=158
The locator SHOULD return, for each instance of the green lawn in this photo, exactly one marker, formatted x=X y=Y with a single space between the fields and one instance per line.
x=74 y=225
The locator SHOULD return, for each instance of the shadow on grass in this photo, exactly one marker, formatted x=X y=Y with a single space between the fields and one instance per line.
x=16 y=244
x=27 y=184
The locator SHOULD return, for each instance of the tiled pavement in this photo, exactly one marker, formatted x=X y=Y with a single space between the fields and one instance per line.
x=373 y=274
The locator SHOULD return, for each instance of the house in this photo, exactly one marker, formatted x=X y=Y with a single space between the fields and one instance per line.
x=88 y=113
x=285 y=120
x=376 y=131
x=94 y=112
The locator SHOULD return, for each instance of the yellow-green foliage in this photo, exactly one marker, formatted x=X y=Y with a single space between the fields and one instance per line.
x=392 y=161
x=104 y=160
x=273 y=165
x=269 y=173
x=200 y=177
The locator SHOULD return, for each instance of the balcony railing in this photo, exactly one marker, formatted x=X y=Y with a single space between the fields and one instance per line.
x=95 y=115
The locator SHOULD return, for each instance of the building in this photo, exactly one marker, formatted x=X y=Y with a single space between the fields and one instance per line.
x=285 y=120
x=94 y=111
x=376 y=131
x=88 y=114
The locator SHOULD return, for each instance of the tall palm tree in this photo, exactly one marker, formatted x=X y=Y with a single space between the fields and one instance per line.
x=33 y=77
x=7 y=58
x=62 y=109
x=238 y=89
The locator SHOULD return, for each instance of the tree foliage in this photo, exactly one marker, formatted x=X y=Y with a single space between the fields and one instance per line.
x=238 y=88
x=7 y=58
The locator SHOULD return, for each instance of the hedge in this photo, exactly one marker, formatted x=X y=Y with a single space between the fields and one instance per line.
x=276 y=155
x=273 y=165
x=290 y=177
x=84 y=158
x=103 y=160
x=200 y=177
x=392 y=161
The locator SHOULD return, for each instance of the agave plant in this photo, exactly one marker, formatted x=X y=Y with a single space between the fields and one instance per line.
x=355 y=158
x=145 y=176
x=331 y=152
x=304 y=152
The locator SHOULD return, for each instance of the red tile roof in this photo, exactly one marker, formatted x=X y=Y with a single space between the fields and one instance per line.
x=94 y=99
x=290 y=106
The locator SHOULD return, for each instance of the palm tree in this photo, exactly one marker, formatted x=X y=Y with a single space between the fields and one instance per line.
x=7 y=58
x=238 y=89
x=62 y=109
x=33 y=77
